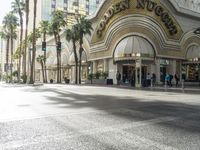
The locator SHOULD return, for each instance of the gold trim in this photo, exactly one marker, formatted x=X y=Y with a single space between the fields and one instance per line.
x=132 y=9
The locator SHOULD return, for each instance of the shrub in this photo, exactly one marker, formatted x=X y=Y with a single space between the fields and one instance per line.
x=104 y=75
x=97 y=74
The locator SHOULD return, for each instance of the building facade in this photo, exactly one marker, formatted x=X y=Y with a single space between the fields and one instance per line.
x=70 y=7
x=138 y=38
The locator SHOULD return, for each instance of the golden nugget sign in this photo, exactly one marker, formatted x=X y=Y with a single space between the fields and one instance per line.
x=148 y=5
x=121 y=6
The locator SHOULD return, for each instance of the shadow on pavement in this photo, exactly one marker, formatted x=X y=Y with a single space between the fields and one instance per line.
x=187 y=116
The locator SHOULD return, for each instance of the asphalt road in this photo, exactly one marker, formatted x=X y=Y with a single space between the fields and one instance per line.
x=62 y=117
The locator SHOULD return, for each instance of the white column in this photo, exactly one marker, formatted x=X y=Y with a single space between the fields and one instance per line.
x=173 y=67
x=105 y=65
x=47 y=75
x=173 y=70
x=157 y=70
x=138 y=72
x=94 y=67
x=41 y=76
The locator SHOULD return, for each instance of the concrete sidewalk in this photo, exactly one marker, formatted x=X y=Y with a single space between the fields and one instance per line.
x=189 y=89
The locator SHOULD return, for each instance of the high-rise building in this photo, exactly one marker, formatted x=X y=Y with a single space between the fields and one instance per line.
x=70 y=7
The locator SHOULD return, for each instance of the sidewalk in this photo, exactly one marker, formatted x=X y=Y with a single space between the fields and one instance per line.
x=188 y=89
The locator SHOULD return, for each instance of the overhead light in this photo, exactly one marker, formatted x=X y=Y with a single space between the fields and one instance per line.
x=197 y=31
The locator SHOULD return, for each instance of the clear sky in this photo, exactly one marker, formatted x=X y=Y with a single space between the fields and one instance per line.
x=5 y=7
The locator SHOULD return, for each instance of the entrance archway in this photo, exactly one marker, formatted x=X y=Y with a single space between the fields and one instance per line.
x=134 y=56
x=191 y=67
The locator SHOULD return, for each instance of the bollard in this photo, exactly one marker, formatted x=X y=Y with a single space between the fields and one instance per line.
x=151 y=83
x=182 y=83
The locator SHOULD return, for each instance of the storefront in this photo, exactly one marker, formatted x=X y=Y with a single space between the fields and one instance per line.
x=140 y=38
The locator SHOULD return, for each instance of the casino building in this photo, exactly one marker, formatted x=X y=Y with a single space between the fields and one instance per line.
x=137 y=37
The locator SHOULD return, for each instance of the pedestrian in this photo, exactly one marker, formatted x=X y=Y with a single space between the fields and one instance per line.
x=118 y=77
x=177 y=79
x=153 y=79
x=170 y=80
x=167 y=80
x=148 y=79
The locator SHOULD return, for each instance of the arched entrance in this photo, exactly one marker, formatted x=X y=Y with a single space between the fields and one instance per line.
x=134 y=56
x=191 y=67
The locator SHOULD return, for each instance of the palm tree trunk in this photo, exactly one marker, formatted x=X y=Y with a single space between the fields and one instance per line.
x=58 y=60
x=26 y=39
x=32 y=80
x=7 y=57
x=42 y=71
x=59 y=51
x=80 y=55
x=45 y=57
x=76 y=62
x=11 y=64
x=20 y=49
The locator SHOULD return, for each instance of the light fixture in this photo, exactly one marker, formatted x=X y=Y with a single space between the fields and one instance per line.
x=197 y=31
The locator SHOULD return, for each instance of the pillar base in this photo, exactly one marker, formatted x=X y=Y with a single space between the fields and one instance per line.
x=138 y=85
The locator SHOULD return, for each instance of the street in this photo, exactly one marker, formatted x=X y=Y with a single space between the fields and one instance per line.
x=70 y=117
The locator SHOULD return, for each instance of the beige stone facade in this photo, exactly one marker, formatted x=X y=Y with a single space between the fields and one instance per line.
x=138 y=37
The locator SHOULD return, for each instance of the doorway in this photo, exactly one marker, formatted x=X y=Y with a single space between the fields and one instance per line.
x=128 y=75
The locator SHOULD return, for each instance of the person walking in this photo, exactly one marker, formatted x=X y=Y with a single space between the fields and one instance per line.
x=118 y=77
x=177 y=79
x=153 y=79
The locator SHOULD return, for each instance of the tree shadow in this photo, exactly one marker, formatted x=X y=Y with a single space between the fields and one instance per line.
x=187 y=116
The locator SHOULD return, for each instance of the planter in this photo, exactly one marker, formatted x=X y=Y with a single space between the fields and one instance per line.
x=67 y=81
x=51 y=80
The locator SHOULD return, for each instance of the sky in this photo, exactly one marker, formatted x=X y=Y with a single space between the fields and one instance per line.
x=5 y=7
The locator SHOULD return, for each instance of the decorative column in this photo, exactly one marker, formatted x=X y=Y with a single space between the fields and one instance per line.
x=94 y=67
x=157 y=61
x=173 y=70
x=138 y=73
x=105 y=65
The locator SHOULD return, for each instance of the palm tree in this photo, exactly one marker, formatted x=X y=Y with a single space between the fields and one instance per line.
x=9 y=32
x=10 y=23
x=84 y=28
x=5 y=35
x=18 y=7
x=26 y=37
x=41 y=60
x=57 y=24
x=44 y=29
x=73 y=35
x=32 y=80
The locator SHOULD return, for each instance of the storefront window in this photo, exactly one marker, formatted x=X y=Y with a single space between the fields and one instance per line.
x=191 y=72
x=100 y=65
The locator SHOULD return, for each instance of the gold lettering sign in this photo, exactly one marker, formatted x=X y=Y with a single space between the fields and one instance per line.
x=121 y=6
x=159 y=11
x=151 y=8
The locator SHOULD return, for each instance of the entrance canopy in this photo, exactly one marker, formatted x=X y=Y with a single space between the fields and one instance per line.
x=133 y=47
